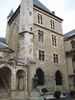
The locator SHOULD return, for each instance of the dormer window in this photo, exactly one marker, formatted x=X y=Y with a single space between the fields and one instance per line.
x=73 y=44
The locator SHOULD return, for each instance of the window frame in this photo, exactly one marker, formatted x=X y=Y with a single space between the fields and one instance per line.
x=55 y=58
x=41 y=55
x=54 y=40
x=52 y=24
x=40 y=19
x=58 y=78
x=40 y=36
x=73 y=44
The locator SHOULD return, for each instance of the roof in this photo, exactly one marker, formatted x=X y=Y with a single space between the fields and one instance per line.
x=2 y=40
x=69 y=34
x=2 y=43
x=40 y=5
x=37 y=4
x=10 y=14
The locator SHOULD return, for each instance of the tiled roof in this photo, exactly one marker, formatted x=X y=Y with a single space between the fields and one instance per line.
x=69 y=34
x=3 y=46
x=38 y=4
x=3 y=43
x=2 y=40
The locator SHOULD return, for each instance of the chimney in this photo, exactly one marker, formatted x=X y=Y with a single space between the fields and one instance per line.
x=53 y=12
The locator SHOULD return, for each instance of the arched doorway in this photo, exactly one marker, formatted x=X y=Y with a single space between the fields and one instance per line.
x=58 y=77
x=40 y=75
x=20 y=80
x=5 y=79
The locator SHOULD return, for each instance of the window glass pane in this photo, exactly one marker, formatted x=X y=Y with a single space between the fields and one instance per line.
x=41 y=55
x=39 y=18
x=55 y=58
x=54 y=43
x=40 y=36
x=52 y=24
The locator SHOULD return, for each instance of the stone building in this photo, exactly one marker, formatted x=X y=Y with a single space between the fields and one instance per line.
x=35 y=38
x=69 y=40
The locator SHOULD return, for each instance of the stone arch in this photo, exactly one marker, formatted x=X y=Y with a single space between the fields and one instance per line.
x=58 y=78
x=5 y=65
x=20 y=75
x=5 y=78
x=40 y=75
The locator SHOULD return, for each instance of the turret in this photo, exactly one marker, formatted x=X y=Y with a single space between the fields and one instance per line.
x=10 y=14
x=26 y=31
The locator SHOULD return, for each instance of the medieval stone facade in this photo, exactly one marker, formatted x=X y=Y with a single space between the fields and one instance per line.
x=34 y=33
x=69 y=41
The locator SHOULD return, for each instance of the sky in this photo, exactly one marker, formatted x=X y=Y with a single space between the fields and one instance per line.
x=64 y=9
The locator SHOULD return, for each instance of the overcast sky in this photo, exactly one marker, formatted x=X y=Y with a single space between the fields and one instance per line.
x=64 y=9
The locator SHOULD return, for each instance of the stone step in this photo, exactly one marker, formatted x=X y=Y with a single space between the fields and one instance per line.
x=21 y=98
x=4 y=95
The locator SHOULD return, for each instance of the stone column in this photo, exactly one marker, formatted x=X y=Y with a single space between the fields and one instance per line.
x=13 y=83
x=26 y=91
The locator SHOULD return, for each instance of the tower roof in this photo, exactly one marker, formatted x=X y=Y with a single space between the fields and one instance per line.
x=11 y=13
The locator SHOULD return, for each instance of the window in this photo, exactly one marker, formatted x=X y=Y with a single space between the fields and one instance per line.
x=22 y=35
x=40 y=36
x=54 y=42
x=40 y=19
x=73 y=43
x=30 y=13
x=52 y=24
x=73 y=62
x=40 y=75
x=58 y=77
x=55 y=58
x=41 y=55
x=31 y=29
